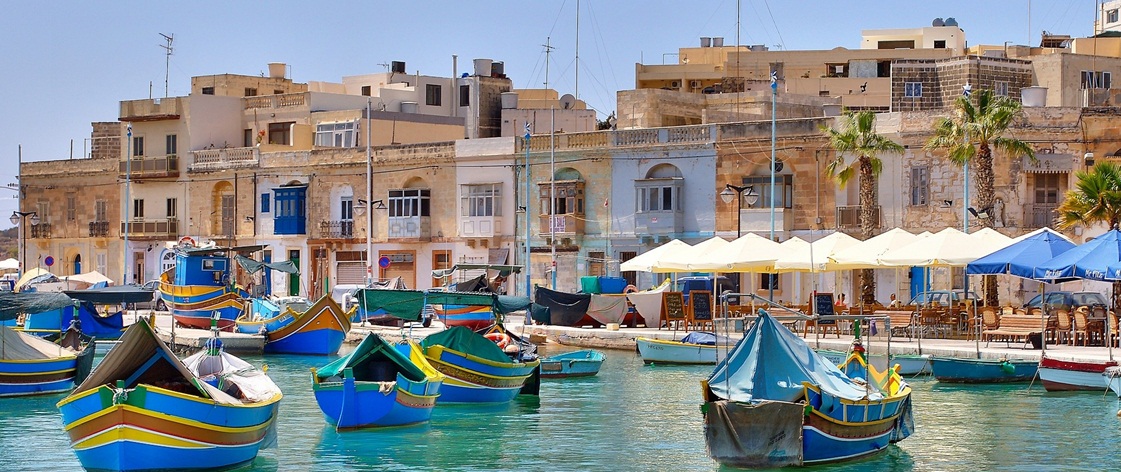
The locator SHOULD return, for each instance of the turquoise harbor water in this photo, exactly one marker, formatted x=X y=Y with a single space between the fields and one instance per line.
x=630 y=417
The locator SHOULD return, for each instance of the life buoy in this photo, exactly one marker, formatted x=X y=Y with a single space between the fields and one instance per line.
x=630 y=289
x=501 y=339
x=187 y=241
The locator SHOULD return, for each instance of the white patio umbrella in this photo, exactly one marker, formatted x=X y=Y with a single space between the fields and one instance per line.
x=814 y=257
x=9 y=264
x=992 y=238
x=644 y=262
x=947 y=248
x=866 y=254
x=748 y=253
x=683 y=259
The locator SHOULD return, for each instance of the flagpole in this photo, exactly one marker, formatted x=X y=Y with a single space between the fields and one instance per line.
x=774 y=94
x=528 y=283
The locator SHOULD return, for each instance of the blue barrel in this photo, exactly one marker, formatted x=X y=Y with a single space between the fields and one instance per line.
x=612 y=284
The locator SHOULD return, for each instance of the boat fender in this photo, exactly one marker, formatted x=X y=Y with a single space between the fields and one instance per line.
x=1007 y=367
x=630 y=289
x=501 y=339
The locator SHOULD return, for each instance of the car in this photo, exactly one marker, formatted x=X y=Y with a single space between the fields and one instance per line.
x=157 y=302
x=1068 y=300
x=941 y=297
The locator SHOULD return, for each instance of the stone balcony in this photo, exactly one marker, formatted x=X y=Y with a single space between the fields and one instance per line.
x=150 y=167
x=152 y=109
x=226 y=158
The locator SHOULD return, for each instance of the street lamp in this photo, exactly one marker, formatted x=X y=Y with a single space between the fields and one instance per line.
x=730 y=192
x=360 y=209
x=17 y=218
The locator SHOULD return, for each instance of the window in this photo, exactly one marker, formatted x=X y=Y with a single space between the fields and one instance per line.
x=264 y=203
x=336 y=134
x=137 y=146
x=247 y=138
x=172 y=145
x=912 y=89
x=291 y=208
x=432 y=95
x=409 y=202
x=1001 y=89
x=1047 y=189
x=71 y=207
x=464 y=95
x=172 y=208
x=100 y=210
x=347 y=209
x=768 y=281
x=250 y=92
x=1111 y=16
x=208 y=90
x=138 y=208
x=569 y=198
x=365 y=90
x=280 y=133
x=920 y=185
x=481 y=200
x=1103 y=79
x=784 y=190
x=940 y=44
x=278 y=92
x=1096 y=79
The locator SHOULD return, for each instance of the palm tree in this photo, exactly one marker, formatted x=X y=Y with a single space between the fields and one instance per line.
x=857 y=137
x=1096 y=198
x=970 y=137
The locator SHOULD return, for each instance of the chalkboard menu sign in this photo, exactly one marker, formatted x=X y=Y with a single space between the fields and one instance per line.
x=673 y=305
x=701 y=303
x=823 y=306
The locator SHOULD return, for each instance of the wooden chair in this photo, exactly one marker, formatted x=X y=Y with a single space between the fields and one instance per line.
x=1063 y=327
x=989 y=320
x=1081 y=329
x=1114 y=333
x=932 y=322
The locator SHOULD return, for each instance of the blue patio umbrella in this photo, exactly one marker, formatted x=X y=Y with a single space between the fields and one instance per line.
x=1022 y=257
x=1089 y=261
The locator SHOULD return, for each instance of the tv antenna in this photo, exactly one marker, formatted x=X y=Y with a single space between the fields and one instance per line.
x=385 y=65
x=167 y=59
x=548 y=50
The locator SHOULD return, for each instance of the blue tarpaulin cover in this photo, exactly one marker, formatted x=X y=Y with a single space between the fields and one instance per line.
x=770 y=363
x=706 y=339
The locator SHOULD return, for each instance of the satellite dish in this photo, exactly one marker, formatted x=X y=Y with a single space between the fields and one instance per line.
x=567 y=101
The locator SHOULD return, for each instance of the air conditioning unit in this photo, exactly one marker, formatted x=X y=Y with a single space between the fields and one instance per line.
x=675 y=84
x=695 y=84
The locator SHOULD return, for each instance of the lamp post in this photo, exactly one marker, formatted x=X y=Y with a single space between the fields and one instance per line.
x=18 y=218
x=743 y=193
x=369 y=197
x=360 y=209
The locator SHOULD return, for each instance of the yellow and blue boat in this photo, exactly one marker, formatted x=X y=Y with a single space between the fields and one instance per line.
x=377 y=385
x=201 y=284
x=144 y=409
x=477 y=369
x=774 y=402
x=298 y=328
x=30 y=365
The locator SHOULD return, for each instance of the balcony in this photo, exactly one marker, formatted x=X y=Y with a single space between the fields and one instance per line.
x=227 y=158
x=156 y=228
x=41 y=230
x=340 y=229
x=410 y=227
x=99 y=228
x=1039 y=215
x=568 y=224
x=284 y=100
x=150 y=167
x=152 y=109
x=848 y=216
x=659 y=222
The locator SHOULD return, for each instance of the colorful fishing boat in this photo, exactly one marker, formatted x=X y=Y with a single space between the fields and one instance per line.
x=470 y=302
x=30 y=365
x=1112 y=377
x=905 y=364
x=775 y=402
x=377 y=385
x=478 y=370
x=695 y=348
x=1059 y=375
x=585 y=363
x=201 y=283
x=296 y=328
x=144 y=409
x=961 y=370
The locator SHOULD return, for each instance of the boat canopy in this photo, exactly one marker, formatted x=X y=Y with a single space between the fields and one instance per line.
x=461 y=339
x=503 y=270
x=253 y=266
x=114 y=295
x=772 y=363
x=12 y=304
x=409 y=304
x=362 y=358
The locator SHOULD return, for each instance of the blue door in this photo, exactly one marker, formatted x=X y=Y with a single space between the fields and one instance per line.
x=918 y=280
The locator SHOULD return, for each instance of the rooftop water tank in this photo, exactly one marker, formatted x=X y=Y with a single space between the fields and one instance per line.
x=1034 y=96
x=509 y=100
x=277 y=70
x=408 y=107
x=483 y=67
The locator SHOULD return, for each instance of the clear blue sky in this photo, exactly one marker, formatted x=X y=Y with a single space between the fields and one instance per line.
x=67 y=64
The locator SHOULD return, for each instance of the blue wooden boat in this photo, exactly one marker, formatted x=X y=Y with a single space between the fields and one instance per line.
x=961 y=370
x=377 y=385
x=477 y=369
x=584 y=363
x=30 y=365
x=298 y=328
x=144 y=409
x=775 y=402
x=200 y=284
